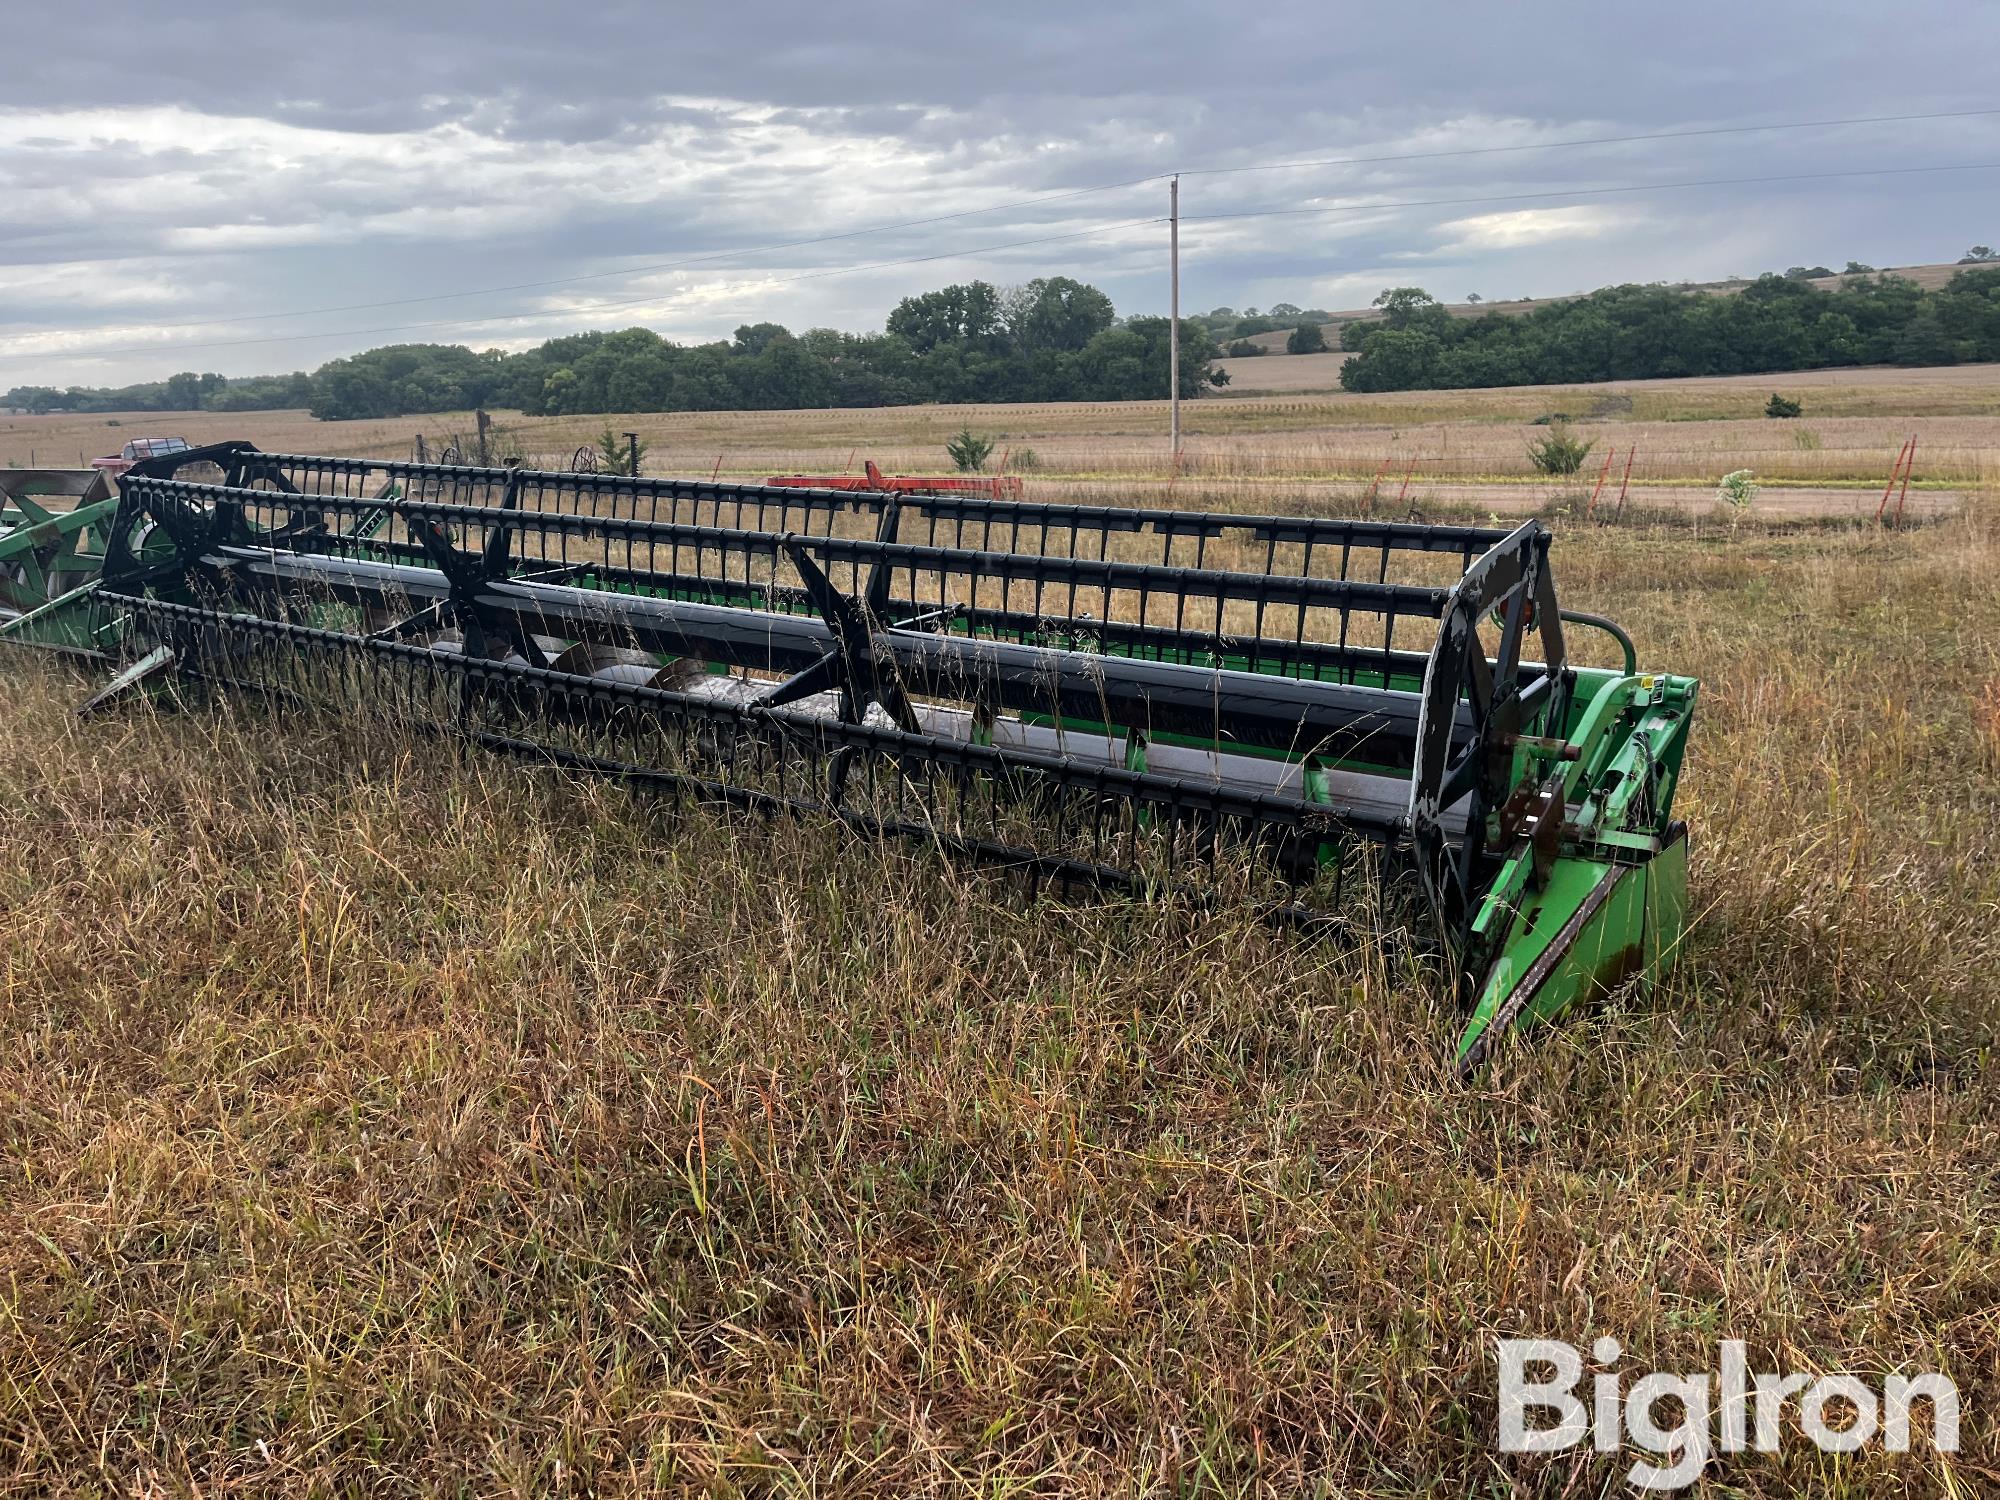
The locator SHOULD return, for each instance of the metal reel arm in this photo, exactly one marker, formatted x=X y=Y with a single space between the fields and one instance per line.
x=1512 y=582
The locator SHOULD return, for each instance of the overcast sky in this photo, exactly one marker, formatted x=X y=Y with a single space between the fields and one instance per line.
x=218 y=172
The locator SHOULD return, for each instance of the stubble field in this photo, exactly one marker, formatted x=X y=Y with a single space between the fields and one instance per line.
x=382 y=1122
x=1434 y=451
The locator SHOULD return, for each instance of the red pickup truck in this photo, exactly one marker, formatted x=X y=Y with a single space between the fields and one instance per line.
x=138 y=449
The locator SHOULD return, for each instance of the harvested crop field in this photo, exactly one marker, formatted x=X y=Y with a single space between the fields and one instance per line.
x=1440 y=452
x=382 y=1121
x=1278 y=372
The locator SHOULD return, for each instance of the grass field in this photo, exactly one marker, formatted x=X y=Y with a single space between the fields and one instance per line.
x=377 y=1122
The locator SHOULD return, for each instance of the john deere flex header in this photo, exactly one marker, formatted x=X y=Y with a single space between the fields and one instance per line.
x=1370 y=727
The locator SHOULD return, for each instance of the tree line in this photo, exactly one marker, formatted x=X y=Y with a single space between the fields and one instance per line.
x=1651 y=332
x=1057 y=339
x=1054 y=339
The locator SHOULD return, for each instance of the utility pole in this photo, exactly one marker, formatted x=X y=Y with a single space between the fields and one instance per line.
x=1174 y=316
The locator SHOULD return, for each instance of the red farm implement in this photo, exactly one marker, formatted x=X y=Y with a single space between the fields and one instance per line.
x=873 y=481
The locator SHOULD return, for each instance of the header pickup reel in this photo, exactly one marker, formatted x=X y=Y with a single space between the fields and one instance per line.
x=1369 y=727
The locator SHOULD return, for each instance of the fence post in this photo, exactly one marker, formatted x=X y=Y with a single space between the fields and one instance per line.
x=1908 y=469
x=1407 y=473
x=1368 y=499
x=1590 y=509
x=1894 y=469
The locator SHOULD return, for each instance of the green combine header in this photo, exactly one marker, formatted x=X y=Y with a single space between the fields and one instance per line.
x=54 y=527
x=1370 y=728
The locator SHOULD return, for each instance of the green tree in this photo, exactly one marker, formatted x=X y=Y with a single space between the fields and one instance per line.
x=1560 y=452
x=962 y=314
x=1119 y=360
x=1055 y=313
x=1411 y=307
x=183 y=391
x=618 y=454
x=1968 y=310
x=345 y=390
x=786 y=377
x=705 y=380
x=1923 y=341
x=1059 y=339
x=969 y=450
x=1836 y=341
x=1307 y=338
x=37 y=399
x=402 y=378
x=1645 y=332
x=754 y=338
x=1394 y=359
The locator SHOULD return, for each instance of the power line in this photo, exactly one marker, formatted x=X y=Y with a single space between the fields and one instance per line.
x=1072 y=193
x=1598 y=192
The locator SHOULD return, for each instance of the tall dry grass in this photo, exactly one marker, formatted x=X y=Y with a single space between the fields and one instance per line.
x=378 y=1121
x=1685 y=434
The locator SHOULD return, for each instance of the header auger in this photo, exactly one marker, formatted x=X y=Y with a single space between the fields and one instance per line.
x=1366 y=726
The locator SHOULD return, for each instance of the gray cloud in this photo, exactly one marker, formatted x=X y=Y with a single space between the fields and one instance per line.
x=269 y=158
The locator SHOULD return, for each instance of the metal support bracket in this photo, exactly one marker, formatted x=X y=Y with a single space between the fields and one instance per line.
x=466 y=575
x=854 y=667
